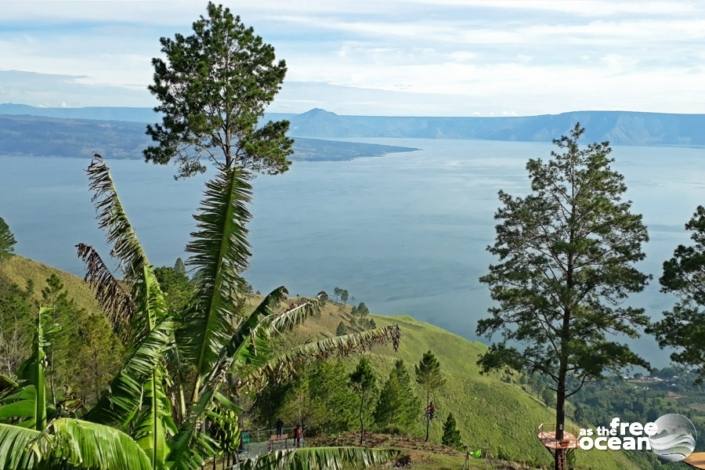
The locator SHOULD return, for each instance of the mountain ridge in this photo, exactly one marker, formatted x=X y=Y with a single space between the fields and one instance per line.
x=618 y=127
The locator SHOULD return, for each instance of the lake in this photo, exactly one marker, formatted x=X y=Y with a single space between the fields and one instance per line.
x=405 y=233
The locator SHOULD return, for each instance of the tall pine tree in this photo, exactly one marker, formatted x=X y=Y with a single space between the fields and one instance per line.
x=429 y=376
x=212 y=88
x=362 y=380
x=567 y=260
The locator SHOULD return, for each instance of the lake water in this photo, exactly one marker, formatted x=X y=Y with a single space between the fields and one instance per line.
x=405 y=233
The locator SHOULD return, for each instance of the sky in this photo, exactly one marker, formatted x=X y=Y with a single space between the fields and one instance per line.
x=415 y=57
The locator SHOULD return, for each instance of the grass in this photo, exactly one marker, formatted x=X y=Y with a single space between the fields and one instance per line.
x=493 y=412
x=18 y=270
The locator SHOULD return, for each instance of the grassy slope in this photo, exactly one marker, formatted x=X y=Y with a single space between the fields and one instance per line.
x=491 y=413
x=19 y=270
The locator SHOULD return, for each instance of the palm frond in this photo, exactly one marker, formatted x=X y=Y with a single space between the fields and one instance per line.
x=293 y=316
x=292 y=360
x=155 y=423
x=320 y=458
x=219 y=250
x=190 y=445
x=81 y=444
x=19 y=406
x=113 y=219
x=108 y=291
x=190 y=449
x=18 y=448
x=123 y=400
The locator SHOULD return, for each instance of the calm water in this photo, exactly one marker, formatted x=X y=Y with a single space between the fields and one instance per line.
x=404 y=233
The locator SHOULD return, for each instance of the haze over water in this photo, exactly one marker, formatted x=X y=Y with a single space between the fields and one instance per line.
x=405 y=233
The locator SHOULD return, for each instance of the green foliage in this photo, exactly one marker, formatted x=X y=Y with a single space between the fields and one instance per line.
x=318 y=398
x=176 y=285
x=360 y=310
x=362 y=380
x=83 y=354
x=217 y=337
x=69 y=443
x=429 y=376
x=567 y=255
x=398 y=407
x=341 y=294
x=219 y=252
x=212 y=89
x=682 y=327
x=17 y=310
x=7 y=240
x=341 y=329
x=451 y=435
x=180 y=267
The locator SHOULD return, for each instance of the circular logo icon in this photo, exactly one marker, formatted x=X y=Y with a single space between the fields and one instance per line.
x=674 y=439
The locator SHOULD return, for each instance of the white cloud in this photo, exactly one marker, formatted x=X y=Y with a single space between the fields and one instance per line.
x=466 y=56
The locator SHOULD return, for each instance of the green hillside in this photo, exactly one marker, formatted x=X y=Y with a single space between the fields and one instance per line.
x=19 y=270
x=494 y=412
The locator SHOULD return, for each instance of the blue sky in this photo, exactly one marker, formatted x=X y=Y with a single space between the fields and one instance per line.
x=418 y=57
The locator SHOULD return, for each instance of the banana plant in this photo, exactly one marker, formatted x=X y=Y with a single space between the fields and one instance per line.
x=62 y=442
x=174 y=374
x=145 y=420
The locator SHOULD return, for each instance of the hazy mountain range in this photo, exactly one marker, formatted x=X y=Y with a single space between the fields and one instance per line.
x=25 y=135
x=619 y=127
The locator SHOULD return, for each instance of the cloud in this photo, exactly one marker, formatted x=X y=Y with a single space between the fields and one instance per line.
x=55 y=90
x=466 y=56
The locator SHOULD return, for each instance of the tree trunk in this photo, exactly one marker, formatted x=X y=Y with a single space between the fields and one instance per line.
x=428 y=418
x=362 y=421
x=559 y=463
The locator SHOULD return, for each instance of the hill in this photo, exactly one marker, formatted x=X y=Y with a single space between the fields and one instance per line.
x=619 y=127
x=25 y=135
x=19 y=270
x=494 y=412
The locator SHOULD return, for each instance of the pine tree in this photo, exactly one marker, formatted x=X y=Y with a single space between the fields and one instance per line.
x=451 y=435
x=428 y=375
x=684 y=276
x=568 y=255
x=180 y=267
x=59 y=351
x=176 y=285
x=17 y=313
x=362 y=381
x=212 y=88
x=342 y=329
x=7 y=240
x=78 y=338
x=397 y=407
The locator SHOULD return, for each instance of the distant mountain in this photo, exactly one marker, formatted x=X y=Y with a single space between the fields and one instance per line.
x=25 y=135
x=106 y=113
x=619 y=127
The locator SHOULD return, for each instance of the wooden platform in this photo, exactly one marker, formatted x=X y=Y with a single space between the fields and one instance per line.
x=548 y=439
x=696 y=460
